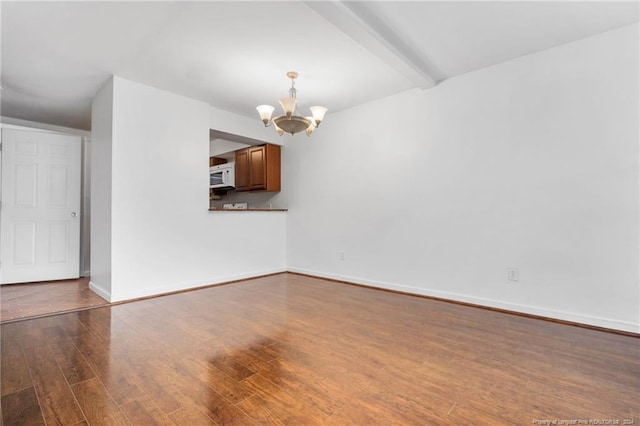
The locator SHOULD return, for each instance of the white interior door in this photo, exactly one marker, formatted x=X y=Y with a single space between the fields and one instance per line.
x=40 y=214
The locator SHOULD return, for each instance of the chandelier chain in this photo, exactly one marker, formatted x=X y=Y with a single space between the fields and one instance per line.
x=292 y=91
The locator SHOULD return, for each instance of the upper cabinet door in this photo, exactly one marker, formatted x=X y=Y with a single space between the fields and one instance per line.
x=258 y=168
x=242 y=170
x=273 y=166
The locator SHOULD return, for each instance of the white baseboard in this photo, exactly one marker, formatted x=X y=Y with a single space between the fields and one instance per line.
x=490 y=303
x=134 y=293
x=100 y=291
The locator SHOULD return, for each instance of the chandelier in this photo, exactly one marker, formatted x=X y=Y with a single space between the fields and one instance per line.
x=289 y=122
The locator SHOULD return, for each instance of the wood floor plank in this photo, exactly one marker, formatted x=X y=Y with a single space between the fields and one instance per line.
x=282 y=400
x=97 y=404
x=229 y=388
x=309 y=385
x=31 y=334
x=34 y=299
x=97 y=321
x=190 y=416
x=218 y=409
x=225 y=363
x=400 y=406
x=201 y=394
x=21 y=409
x=56 y=399
x=262 y=412
x=145 y=412
x=14 y=374
x=155 y=381
x=73 y=365
x=289 y=349
x=173 y=386
x=117 y=377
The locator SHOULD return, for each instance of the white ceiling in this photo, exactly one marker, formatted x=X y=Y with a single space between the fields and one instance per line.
x=234 y=55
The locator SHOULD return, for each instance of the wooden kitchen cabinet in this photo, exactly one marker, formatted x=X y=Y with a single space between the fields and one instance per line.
x=215 y=161
x=258 y=168
x=242 y=170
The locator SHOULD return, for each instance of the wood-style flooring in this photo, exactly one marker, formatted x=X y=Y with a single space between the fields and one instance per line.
x=290 y=349
x=19 y=301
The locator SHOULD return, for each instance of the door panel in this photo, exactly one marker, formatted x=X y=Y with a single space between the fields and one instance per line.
x=24 y=243
x=25 y=177
x=58 y=242
x=58 y=194
x=40 y=223
x=25 y=144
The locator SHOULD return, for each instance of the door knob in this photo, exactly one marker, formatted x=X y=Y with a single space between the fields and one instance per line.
x=74 y=214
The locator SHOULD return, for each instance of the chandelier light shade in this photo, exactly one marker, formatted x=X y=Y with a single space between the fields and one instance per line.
x=290 y=122
x=288 y=105
x=265 y=112
x=318 y=113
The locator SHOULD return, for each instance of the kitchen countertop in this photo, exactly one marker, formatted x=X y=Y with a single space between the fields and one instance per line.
x=248 y=210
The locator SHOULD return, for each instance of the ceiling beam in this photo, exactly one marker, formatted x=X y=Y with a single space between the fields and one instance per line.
x=368 y=30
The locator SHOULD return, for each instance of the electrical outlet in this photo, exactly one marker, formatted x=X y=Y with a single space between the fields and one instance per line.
x=513 y=274
x=342 y=255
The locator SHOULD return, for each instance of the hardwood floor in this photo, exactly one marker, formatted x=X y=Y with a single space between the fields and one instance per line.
x=289 y=349
x=19 y=301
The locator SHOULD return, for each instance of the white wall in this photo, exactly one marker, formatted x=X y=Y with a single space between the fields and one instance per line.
x=85 y=230
x=220 y=146
x=239 y=125
x=162 y=236
x=531 y=164
x=18 y=123
x=101 y=190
